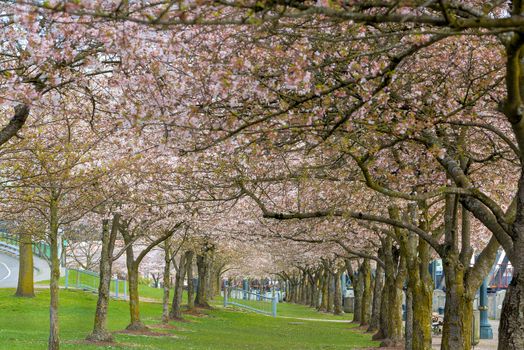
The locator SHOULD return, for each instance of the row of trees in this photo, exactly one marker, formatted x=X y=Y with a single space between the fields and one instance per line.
x=391 y=130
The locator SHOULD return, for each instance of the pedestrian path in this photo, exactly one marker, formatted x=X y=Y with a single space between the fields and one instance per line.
x=315 y=319
x=9 y=270
x=484 y=344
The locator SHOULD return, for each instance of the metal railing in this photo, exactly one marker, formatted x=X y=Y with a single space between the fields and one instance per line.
x=9 y=249
x=502 y=276
x=253 y=300
x=89 y=281
x=40 y=248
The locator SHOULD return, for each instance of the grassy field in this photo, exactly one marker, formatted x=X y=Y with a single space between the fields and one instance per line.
x=284 y=309
x=24 y=325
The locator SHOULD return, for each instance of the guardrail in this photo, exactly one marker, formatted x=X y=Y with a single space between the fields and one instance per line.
x=89 y=281
x=40 y=248
x=13 y=250
x=251 y=300
x=9 y=249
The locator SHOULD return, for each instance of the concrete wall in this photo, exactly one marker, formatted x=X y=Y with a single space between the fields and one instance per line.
x=348 y=304
x=439 y=299
x=495 y=304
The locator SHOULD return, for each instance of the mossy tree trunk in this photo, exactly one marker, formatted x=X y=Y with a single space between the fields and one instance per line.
x=382 y=330
x=318 y=289
x=100 y=332
x=419 y=293
x=358 y=291
x=167 y=281
x=54 y=337
x=190 y=285
x=201 y=298
x=132 y=265
x=512 y=323
x=365 y=272
x=337 y=309
x=331 y=290
x=134 y=302
x=462 y=280
x=456 y=333
x=176 y=306
x=374 y=322
x=325 y=291
x=390 y=329
x=25 y=287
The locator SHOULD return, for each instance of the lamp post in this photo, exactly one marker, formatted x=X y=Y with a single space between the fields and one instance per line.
x=485 y=328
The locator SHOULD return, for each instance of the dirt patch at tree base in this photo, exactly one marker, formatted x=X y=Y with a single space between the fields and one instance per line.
x=198 y=312
x=164 y=326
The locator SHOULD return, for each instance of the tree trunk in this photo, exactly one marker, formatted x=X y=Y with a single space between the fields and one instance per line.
x=317 y=291
x=394 y=320
x=100 y=333
x=511 y=328
x=419 y=299
x=176 y=307
x=313 y=291
x=303 y=289
x=54 y=338
x=203 y=264
x=377 y=297
x=391 y=308
x=408 y=328
x=25 y=286
x=382 y=331
x=422 y=312
x=419 y=294
x=167 y=282
x=366 y=293
x=295 y=289
x=458 y=312
x=190 y=284
x=134 y=302
x=202 y=268
x=358 y=291
x=324 y=300
x=330 y=299
x=210 y=272
x=337 y=310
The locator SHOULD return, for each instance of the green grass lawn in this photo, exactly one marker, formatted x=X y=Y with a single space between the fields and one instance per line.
x=283 y=309
x=24 y=326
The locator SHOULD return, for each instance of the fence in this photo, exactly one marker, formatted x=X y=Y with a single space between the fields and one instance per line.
x=503 y=273
x=252 y=300
x=9 y=249
x=40 y=249
x=89 y=280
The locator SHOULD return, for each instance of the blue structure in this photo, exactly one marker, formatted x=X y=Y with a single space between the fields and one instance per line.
x=501 y=273
x=435 y=270
x=485 y=328
x=245 y=288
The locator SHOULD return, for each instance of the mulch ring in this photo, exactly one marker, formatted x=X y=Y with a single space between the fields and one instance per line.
x=197 y=312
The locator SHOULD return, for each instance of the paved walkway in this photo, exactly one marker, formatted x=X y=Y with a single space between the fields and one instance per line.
x=9 y=270
x=314 y=319
x=484 y=344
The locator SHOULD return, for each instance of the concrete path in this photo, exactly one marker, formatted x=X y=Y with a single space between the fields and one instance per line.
x=484 y=344
x=314 y=319
x=9 y=270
